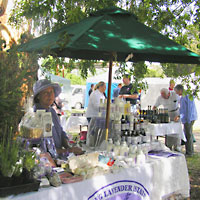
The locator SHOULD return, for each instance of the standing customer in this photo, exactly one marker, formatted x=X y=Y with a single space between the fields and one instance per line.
x=171 y=85
x=94 y=100
x=188 y=115
x=127 y=92
x=44 y=96
x=91 y=89
x=170 y=100
x=117 y=90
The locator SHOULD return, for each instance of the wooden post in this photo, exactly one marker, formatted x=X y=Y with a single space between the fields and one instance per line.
x=109 y=96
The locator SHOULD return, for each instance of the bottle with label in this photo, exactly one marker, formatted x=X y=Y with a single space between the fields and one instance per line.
x=124 y=149
x=131 y=120
x=127 y=123
x=132 y=150
x=112 y=111
x=137 y=125
x=154 y=118
x=117 y=148
x=110 y=145
x=121 y=107
x=140 y=156
x=162 y=116
x=167 y=118
x=143 y=135
x=127 y=108
x=134 y=138
x=117 y=125
x=129 y=137
x=123 y=124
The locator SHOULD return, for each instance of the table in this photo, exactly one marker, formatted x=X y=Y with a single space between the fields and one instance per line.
x=155 y=180
x=167 y=129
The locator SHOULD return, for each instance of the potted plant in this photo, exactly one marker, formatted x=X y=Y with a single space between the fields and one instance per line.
x=16 y=167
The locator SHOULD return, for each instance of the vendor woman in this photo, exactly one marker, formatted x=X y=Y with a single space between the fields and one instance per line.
x=44 y=95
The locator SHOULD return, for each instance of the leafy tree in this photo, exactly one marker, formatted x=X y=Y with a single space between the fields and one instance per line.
x=17 y=76
x=75 y=80
x=177 y=19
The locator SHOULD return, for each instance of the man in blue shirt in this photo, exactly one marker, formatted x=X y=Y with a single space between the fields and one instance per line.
x=188 y=115
x=116 y=91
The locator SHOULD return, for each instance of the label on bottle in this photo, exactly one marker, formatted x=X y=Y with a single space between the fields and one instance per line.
x=117 y=126
x=127 y=126
x=123 y=127
x=131 y=127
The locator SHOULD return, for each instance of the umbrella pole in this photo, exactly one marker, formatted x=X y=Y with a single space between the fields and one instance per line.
x=109 y=94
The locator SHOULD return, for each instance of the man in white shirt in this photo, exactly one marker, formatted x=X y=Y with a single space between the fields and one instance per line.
x=170 y=100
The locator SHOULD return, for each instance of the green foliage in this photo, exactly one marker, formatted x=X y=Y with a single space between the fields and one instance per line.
x=177 y=19
x=17 y=76
x=75 y=80
x=154 y=73
x=48 y=15
x=56 y=65
x=136 y=71
x=29 y=160
x=8 y=154
x=13 y=159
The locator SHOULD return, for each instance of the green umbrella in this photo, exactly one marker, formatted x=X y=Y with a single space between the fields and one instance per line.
x=111 y=34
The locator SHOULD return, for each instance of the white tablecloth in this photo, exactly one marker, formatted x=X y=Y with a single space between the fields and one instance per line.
x=154 y=180
x=167 y=129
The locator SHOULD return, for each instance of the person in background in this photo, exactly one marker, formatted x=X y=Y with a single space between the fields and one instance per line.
x=44 y=96
x=188 y=115
x=117 y=90
x=171 y=85
x=94 y=100
x=91 y=89
x=170 y=100
x=127 y=91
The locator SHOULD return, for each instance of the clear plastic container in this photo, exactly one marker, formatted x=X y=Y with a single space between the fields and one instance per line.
x=124 y=149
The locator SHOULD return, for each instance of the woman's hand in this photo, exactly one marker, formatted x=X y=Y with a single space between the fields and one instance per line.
x=76 y=150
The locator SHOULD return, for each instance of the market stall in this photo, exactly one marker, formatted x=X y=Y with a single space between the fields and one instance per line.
x=157 y=179
x=132 y=163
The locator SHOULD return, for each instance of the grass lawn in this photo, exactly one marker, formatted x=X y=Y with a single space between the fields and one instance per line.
x=193 y=164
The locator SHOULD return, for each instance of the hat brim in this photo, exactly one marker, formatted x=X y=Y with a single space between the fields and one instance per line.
x=56 y=87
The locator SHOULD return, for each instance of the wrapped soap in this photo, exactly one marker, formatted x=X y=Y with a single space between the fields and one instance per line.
x=54 y=179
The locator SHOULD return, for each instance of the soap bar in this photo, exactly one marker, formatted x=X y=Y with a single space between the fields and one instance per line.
x=72 y=179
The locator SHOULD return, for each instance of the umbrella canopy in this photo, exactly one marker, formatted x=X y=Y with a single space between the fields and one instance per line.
x=109 y=31
x=111 y=34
